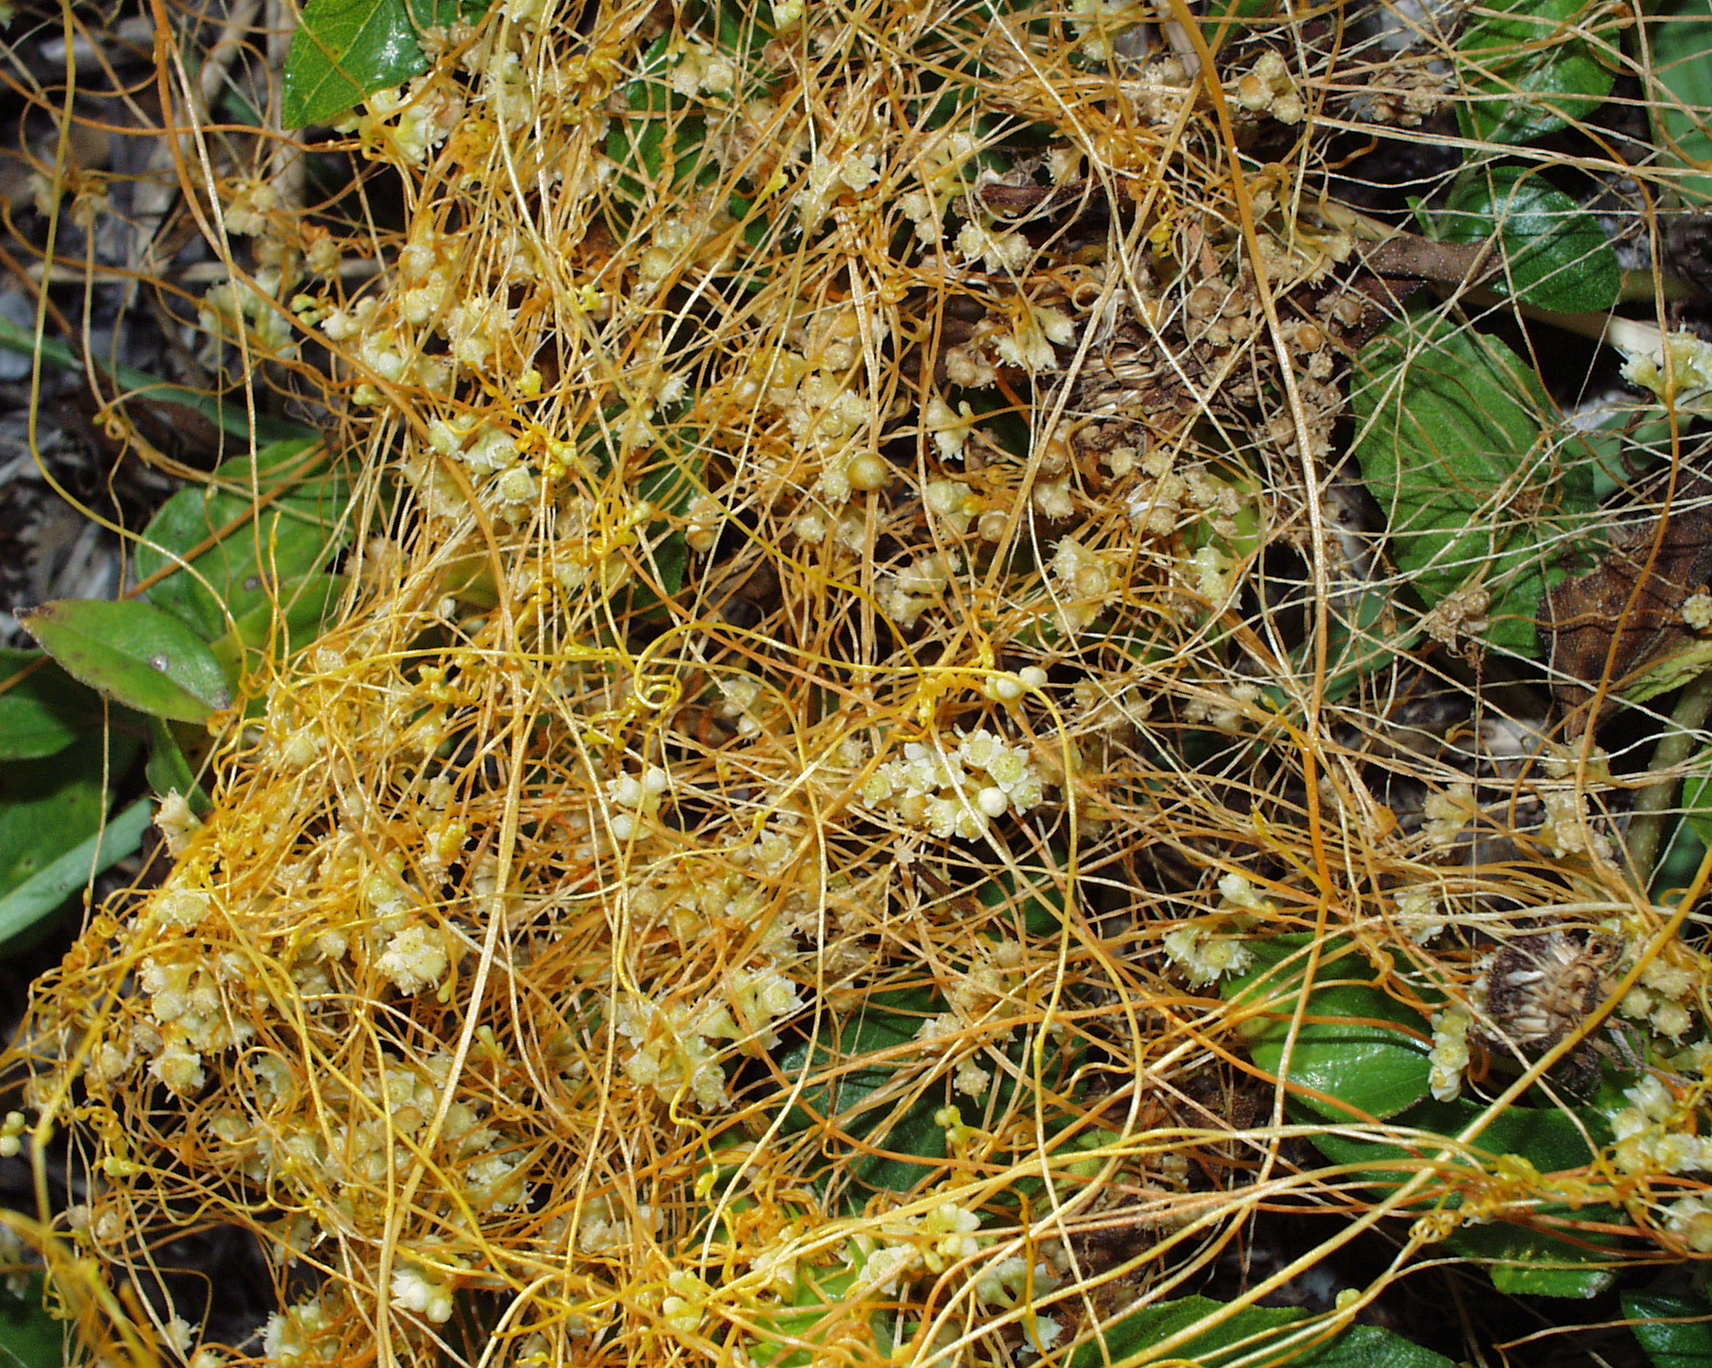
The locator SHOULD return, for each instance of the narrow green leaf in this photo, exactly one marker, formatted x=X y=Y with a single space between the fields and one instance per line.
x=168 y=771
x=45 y=891
x=1556 y=255
x=1529 y=70
x=1676 y=1332
x=1679 y=39
x=1355 y=1044
x=134 y=653
x=251 y=527
x=1450 y=442
x=45 y=710
x=231 y=417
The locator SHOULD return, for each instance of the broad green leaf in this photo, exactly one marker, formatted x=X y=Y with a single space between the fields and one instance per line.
x=304 y=608
x=50 y=812
x=1528 y=70
x=250 y=528
x=854 y=1099
x=1525 y=1261
x=1369 y=1346
x=1361 y=1347
x=819 y=1313
x=1676 y=1332
x=29 y=1336
x=886 y=1021
x=344 y=50
x=1546 y=1137
x=1041 y=905
x=1355 y=1044
x=1521 y=1259
x=1679 y=39
x=1556 y=255
x=44 y=892
x=1450 y=443
x=134 y=653
x=44 y=710
x=47 y=807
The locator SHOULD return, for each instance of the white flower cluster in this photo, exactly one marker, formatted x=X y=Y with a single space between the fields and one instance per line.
x=1690 y=1220
x=1697 y=612
x=601 y=1229
x=414 y=1290
x=190 y=1012
x=1661 y=997
x=1203 y=955
x=296 y=1333
x=1566 y=827
x=1085 y=580
x=930 y=1241
x=957 y=793
x=686 y=1302
x=12 y=1133
x=674 y=1050
x=1653 y=1132
x=637 y=795
x=907 y=594
x=1270 y=89
x=1449 y=1056
x=1420 y=915
x=404 y=125
x=1686 y=381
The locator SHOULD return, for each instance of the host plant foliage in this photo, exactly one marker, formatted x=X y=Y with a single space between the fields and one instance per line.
x=899 y=756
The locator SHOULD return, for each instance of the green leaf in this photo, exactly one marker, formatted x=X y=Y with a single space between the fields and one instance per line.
x=1676 y=1332
x=230 y=416
x=818 y=1312
x=1556 y=254
x=1361 y=1347
x=1369 y=1346
x=305 y=606
x=251 y=527
x=1522 y=1259
x=1528 y=1262
x=45 y=710
x=29 y=1336
x=1546 y=1137
x=134 y=653
x=1450 y=443
x=1355 y=1044
x=168 y=771
x=38 y=897
x=344 y=50
x=1679 y=39
x=1529 y=71
x=1697 y=798
x=853 y=1095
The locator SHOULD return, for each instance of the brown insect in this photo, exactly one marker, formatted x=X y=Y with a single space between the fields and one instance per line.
x=1541 y=987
